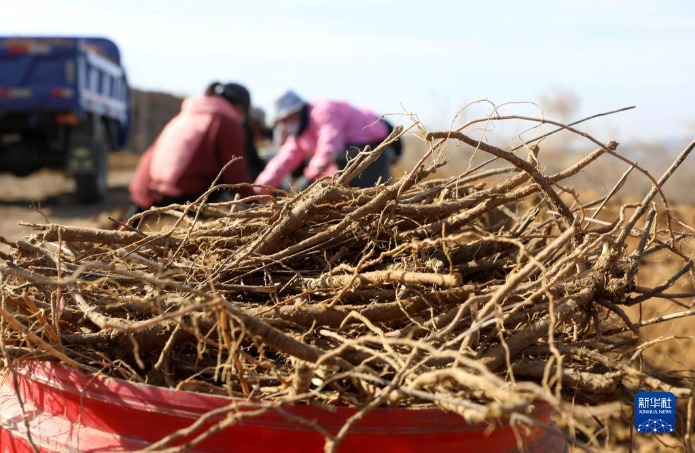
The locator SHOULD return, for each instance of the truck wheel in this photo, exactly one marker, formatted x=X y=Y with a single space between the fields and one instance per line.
x=89 y=162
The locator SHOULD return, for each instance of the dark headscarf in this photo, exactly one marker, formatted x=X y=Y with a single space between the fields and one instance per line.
x=234 y=93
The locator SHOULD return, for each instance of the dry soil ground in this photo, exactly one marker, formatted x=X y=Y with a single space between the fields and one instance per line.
x=47 y=195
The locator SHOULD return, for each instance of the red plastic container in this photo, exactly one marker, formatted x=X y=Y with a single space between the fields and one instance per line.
x=67 y=411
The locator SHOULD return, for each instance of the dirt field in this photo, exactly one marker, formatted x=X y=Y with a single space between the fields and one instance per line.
x=47 y=196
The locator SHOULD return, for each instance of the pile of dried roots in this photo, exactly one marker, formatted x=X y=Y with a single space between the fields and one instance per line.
x=473 y=296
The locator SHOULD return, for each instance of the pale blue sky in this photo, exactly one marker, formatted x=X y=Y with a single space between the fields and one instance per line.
x=429 y=58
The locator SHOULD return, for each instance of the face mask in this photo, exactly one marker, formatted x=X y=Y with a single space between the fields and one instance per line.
x=284 y=130
x=292 y=128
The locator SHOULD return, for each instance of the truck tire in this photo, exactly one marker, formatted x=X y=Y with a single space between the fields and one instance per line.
x=89 y=162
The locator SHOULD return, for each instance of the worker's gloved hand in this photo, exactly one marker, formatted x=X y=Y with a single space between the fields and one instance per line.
x=301 y=183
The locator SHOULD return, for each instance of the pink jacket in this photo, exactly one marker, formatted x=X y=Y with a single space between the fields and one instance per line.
x=332 y=126
x=190 y=152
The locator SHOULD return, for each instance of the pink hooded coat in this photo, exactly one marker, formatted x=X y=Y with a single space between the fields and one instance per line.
x=191 y=151
x=333 y=125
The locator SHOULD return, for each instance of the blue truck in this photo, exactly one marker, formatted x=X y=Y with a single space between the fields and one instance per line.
x=64 y=104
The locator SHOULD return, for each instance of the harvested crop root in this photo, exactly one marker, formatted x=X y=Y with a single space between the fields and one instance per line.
x=473 y=295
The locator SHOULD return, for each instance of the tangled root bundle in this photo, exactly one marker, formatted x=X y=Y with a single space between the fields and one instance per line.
x=475 y=295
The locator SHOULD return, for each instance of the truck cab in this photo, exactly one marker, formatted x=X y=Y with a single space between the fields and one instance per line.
x=64 y=104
